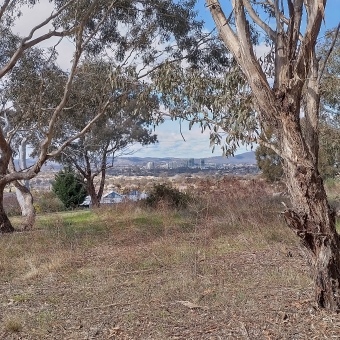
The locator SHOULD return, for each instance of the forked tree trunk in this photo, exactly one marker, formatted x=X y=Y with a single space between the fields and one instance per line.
x=5 y=224
x=91 y=189
x=296 y=69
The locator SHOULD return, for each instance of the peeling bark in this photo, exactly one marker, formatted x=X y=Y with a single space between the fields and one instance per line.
x=313 y=221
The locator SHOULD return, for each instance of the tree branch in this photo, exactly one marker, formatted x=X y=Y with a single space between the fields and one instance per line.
x=329 y=52
x=25 y=43
x=271 y=34
x=3 y=8
x=315 y=13
x=270 y=146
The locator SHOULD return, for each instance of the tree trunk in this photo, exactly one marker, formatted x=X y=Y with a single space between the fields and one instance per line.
x=23 y=193
x=25 y=200
x=314 y=222
x=92 y=192
x=5 y=223
x=102 y=183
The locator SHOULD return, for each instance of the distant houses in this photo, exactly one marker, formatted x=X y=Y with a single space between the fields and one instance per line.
x=135 y=195
x=113 y=197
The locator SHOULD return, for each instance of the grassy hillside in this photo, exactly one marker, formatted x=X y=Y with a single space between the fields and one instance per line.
x=226 y=267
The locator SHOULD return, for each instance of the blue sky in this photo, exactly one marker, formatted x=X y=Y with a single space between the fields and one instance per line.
x=171 y=143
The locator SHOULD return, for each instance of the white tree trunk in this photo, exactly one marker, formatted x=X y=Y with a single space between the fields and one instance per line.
x=24 y=196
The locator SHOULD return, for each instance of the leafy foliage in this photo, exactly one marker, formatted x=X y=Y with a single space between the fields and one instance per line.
x=134 y=37
x=168 y=195
x=220 y=104
x=269 y=163
x=47 y=202
x=125 y=121
x=69 y=188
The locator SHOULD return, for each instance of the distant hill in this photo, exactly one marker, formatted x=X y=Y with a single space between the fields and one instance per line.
x=243 y=158
x=49 y=165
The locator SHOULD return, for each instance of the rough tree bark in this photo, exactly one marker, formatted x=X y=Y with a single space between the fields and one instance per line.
x=311 y=217
x=279 y=107
x=5 y=224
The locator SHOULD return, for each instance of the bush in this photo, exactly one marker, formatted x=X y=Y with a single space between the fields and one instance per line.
x=166 y=194
x=269 y=163
x=47 y=202
x=69 y=188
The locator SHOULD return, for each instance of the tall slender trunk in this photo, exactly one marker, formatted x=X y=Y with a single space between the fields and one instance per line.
x=5 y=223
x=103 y=174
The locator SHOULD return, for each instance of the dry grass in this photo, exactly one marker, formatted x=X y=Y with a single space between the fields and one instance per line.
x=225 y=268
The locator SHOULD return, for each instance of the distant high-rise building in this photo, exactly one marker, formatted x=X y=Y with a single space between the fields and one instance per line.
x=173 y=165
x=191 y=163
x=150 y=165
x=202 y=163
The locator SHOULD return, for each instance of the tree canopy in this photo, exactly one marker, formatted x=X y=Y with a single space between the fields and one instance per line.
x=123 y=124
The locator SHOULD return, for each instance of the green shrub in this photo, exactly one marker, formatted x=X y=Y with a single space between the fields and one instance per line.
x=69 y=188
x=166 y=194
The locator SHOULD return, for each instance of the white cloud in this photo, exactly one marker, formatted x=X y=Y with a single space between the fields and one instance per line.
x=171 y=143
x=261 y=50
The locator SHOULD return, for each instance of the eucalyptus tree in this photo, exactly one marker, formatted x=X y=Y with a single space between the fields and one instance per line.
x=137 y=35
x=23 y=193
x=33 y=83
x=124 y=123
x=329 y=124
x=279 y=106
x=274 y=92
x=94 y=153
